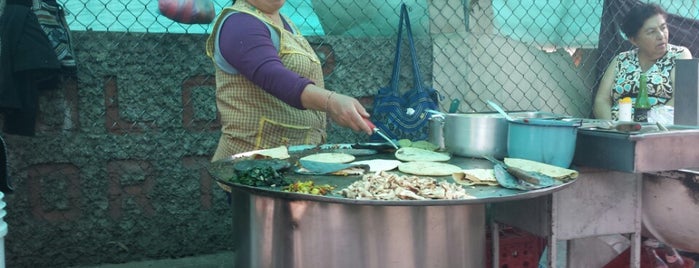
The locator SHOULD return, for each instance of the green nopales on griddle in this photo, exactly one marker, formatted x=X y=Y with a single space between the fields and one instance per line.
x=260 y=176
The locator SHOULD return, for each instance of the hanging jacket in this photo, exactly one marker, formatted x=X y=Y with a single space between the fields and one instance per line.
x=27 y=61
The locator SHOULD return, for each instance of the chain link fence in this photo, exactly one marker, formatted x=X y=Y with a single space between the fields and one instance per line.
x=116 y=172
x=527 y=55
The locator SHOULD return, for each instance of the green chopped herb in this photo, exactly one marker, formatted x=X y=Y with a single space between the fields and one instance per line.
x=260 y=177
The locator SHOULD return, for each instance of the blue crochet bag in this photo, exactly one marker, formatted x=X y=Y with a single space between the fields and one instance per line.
x=404 y=116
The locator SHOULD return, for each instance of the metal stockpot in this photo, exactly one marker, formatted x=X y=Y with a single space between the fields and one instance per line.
x=475 y=134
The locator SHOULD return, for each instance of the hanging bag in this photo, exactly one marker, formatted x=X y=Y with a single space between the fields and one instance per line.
x=188 y=11
x=404 y=116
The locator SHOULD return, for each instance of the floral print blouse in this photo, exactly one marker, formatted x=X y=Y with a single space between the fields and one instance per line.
x=628 y=71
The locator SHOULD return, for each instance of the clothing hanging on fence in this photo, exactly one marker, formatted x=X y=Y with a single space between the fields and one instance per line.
x=28 y=62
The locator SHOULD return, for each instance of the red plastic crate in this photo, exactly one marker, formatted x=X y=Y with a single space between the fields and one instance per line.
x=518 y=249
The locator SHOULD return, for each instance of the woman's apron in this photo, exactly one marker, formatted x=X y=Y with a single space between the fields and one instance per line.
x=253 y=119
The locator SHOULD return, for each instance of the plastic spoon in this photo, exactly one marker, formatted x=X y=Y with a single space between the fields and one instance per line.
x=500 y=110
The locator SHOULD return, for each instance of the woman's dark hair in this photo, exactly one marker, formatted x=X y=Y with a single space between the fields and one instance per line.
x=638 y=15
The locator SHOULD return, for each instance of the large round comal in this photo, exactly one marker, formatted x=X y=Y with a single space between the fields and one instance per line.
x=476 y=134
x=541 y=140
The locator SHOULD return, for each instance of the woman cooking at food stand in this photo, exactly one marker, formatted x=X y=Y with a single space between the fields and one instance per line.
x=646 y=28
x=269 y=82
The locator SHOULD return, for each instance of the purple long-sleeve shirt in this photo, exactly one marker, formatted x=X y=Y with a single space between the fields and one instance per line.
x=246 y=45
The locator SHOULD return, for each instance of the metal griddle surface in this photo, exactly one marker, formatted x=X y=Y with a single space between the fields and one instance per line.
x=222 y=171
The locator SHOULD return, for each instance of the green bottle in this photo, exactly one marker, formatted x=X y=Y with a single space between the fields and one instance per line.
x=642 y=106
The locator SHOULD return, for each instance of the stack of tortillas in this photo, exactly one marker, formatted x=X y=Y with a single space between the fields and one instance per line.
x=552 y=171
x=424 y=162
x=477 y=176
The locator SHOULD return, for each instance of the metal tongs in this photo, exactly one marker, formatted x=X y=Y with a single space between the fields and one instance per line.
x=380 y=133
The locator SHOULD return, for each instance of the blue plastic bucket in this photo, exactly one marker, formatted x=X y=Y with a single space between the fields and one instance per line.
x=543 y=140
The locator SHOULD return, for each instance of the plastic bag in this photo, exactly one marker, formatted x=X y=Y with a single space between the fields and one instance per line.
x=662 y=114
x=188 y=11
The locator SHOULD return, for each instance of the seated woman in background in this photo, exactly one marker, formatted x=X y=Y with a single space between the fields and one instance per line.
x=646 y=28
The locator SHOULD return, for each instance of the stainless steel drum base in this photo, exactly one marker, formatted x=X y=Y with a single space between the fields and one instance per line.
x=279 y=232
x=671 y=208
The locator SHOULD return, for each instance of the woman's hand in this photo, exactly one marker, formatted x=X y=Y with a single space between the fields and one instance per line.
x=348 y=112
x=344 y=110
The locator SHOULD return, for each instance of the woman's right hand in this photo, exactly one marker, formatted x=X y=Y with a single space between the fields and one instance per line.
x=344 y=110
x=348 y=112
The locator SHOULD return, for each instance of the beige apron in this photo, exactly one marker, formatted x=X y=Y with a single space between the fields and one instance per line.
x=253 y=119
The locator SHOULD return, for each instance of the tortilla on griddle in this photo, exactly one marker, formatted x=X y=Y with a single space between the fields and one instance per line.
x=552 y=171
x=425 y=168
x=330 y=157
x=477 y=176
x=376 y=165
x=280 y=152
x=409 y=154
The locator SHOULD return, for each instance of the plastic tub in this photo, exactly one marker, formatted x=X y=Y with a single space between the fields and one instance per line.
x=543 y=140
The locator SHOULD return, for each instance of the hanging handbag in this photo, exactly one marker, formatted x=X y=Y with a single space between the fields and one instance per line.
x=404 y=116
x=188 y=11
x=52 y=19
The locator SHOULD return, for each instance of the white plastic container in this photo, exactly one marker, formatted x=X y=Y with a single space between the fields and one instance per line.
x=625 y=110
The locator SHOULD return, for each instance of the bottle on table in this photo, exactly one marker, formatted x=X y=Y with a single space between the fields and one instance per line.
x=642 y=105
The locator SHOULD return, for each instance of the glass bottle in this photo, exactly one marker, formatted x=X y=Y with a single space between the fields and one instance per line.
x=642 y=106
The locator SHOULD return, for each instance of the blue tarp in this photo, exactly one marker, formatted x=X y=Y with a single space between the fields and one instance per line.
x=559 y=23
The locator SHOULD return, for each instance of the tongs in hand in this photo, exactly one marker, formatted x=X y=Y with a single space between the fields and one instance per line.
x=378 y=131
